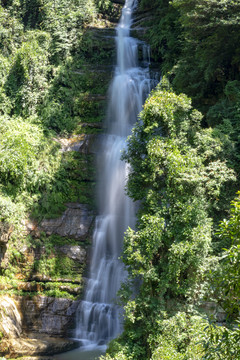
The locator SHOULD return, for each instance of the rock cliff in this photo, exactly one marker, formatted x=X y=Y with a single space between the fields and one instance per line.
x=42 y=265
x=20 y=316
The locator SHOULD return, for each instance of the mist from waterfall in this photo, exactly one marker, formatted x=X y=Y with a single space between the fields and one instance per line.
x=98 y=317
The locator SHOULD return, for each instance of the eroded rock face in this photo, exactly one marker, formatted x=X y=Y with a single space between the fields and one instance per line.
x=11 y=321
x=36 y=326
x=75 y=222
x=81 y=143
x=47 y=315
x=40 y=346
x=74 y=252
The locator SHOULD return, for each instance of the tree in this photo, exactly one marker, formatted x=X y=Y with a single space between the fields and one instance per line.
x=211 y=48
x=177 y=175
x=223 y=342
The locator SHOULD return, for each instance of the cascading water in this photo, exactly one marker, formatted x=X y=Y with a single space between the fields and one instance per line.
x=98 y=318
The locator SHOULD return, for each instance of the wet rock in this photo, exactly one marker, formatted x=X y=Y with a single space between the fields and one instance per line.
x=74 y=252
x=40 y=346
x=33 y=287
x=11 y=320
x=92 y=125
x=47 y=315
x=45 y=278
x=75 y=222
x=70 y=290
x=81 y=143
x=36 y=326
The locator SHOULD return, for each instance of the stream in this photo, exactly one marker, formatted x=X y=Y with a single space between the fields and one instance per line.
x=78 y=354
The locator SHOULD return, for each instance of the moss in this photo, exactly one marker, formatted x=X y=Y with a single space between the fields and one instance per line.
x=74 y=182
x=48 y=88
x=57 y=266
x=53 y=272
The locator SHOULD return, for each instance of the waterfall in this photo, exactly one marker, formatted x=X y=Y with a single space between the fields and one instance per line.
x=98 y=317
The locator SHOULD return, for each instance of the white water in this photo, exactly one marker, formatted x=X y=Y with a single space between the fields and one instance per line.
x=98 y=318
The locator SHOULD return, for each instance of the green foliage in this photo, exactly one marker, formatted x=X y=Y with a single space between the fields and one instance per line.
x=221 y=342
x=198 y=38
x=224 y=116
x=59 y=266
x=211 y=47
x=26 y=83
x=68 y=103
x=35 y=96
x=28 y=164
x=103 y=5
x=10 y=211
x=178 y=173
x=164 y=33
x=68 y=184
x=21 y=143
x=179 y=339
x=65 y=21
x=11 y=32
x=226 y=278
x=176 y=337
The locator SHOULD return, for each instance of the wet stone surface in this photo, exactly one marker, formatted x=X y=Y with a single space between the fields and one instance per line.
x=75 y=222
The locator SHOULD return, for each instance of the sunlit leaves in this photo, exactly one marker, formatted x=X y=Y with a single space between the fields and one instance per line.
x=22 y=150
x=227 y=277
x=141 y=247
x=27 y=79
x=221 y=342
x=179 y=176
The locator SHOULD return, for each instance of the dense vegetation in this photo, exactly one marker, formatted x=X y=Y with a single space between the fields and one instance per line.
x=41 y=97
x=184 y=157
x=44 y=96
x=184 y=154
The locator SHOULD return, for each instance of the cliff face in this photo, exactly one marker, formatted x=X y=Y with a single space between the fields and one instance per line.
x=42 y=264
x=35 y=326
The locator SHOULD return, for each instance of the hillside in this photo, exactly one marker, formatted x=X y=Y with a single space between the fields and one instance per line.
x=181 y=298
x=54 y=81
